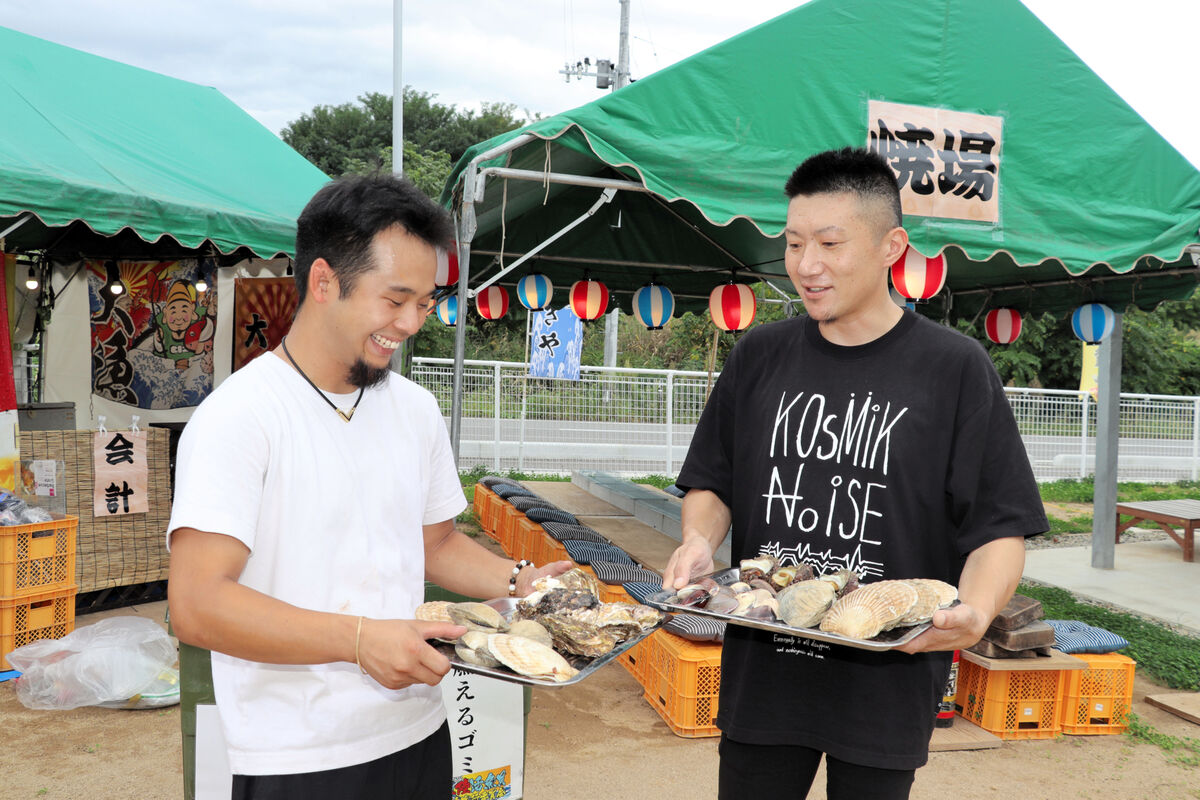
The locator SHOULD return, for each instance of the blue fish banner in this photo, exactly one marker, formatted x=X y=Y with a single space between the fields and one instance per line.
x=555 y=344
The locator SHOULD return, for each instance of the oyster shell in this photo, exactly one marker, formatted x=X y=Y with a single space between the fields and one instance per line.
x=477 y=617
x=802 y=604
x=573 y=633
x=531 y=629
x=530 y=658
x=574 y=578
x=872 y=608
x=646 y=616
x=472 y=647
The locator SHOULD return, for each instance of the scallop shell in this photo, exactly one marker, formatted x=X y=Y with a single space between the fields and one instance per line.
x=434 y=611
x=862 y=614
x=477 y=617
x=802 y=604
x=531 y=629
x=530 y=658
x=947 y=594
x=922 y=610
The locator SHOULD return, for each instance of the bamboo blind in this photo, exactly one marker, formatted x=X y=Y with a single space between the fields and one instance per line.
x=113 y=551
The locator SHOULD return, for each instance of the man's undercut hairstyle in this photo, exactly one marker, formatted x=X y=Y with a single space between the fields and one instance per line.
x=860 y=172
x=342 y=219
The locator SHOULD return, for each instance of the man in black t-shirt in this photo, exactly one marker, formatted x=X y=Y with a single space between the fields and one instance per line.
x=861 y=436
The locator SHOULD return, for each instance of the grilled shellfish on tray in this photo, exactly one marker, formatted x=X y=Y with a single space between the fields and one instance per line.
x=832 y=607
x=557 y=635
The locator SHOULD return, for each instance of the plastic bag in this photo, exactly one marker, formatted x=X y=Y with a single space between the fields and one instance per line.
x=119 y=662
x=14 y=511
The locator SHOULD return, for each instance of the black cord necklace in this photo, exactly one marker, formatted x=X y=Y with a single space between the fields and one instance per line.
x=345 y=415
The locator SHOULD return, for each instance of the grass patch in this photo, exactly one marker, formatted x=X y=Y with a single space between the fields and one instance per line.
x=1062 y=527
x=1183 y=750
x=1082 y=490
x=657 y=481
x=1169 y=658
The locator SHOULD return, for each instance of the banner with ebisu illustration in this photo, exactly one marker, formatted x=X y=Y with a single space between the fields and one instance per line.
x=9 y=434
x=152 y=341
x=262 y=315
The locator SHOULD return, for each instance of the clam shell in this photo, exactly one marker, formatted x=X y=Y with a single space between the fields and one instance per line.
x=802 y=604
x=472 y=648
x=530 y=658
x=477 y=617
x=872 y=608
x=531 y=629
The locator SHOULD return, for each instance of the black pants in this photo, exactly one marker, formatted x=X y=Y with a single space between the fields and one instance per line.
x=421 y=771
x=753 y=771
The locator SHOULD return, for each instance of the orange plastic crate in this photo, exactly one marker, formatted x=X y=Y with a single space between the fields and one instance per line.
x=1012 y=704
x=484 y=507
x=47 y=615
x=634 y=660
x=1098 y=699
x=682 y=680
x=550 y=549
x=506 y=528
x=39 y=557
x=527 y=539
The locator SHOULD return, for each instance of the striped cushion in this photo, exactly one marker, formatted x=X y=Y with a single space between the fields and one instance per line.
x=675 y=490
x=507 y=490
x=587 y=552
x=493 y=480
x=580 y=533
x=696 y=628
x=611 y=572
x=1073 y=636
x=523 y=503
x=538 y=514
x=640 y=591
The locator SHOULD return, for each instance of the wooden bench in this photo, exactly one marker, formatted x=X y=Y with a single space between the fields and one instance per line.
x=1168 y=515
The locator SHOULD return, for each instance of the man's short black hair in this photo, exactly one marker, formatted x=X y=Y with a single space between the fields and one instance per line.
x=343 y=217
x=861 y=172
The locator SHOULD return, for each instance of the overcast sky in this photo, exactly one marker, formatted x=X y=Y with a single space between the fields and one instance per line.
x=278 y=59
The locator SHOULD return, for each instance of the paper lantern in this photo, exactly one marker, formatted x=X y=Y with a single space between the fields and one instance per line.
x=447 y=311
x=534 y=291
x=653 y=305
x=447 y=268
x=917 y=277
x=732 y=306
x=1003 y=325
x=589 y=299
x=1093 y=322
x=492 y=302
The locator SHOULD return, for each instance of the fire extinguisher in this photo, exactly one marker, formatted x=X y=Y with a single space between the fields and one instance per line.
x=945 y=712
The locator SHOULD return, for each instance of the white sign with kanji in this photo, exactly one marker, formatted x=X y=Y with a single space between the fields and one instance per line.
x=121 y=474
x=947 y=163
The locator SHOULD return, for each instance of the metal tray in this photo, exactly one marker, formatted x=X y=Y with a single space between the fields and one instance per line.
x=586 y=666
x=887 y=640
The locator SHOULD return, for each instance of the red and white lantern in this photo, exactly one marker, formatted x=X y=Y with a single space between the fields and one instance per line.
x=589 y=299
x=732 y=306
x=492 y=302
x=1003 y=325
x=447 y=268
x=917 y=277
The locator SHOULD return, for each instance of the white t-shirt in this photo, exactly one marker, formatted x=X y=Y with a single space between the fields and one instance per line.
x=332 y=513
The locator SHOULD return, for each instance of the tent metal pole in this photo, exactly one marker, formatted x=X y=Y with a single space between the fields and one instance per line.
x=466 y=233
x=606 y=196
x=1079 y=280
x=1108 y=419
x=560 y=177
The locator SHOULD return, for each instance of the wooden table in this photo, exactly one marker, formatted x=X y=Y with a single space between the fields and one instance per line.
x=1167 y=514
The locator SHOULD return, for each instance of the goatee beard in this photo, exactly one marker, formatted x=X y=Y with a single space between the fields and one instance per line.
x=363 y=376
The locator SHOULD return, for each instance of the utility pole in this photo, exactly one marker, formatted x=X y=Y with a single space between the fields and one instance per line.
x=606 y=74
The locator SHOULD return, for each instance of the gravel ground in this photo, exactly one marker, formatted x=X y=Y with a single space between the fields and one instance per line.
x=1085 y=539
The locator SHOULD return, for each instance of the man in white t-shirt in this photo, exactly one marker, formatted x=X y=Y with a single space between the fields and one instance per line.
x=315 y=493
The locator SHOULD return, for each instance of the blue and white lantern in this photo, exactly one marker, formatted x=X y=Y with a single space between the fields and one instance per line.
x=1093 y=322
x=534 y=291
x=447 y=311
x=653 y=305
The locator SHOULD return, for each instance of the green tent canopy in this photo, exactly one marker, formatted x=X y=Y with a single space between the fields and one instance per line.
x=101 y=159
x=1091 y=203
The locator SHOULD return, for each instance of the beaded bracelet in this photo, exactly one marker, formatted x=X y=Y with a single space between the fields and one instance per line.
x=512 y=580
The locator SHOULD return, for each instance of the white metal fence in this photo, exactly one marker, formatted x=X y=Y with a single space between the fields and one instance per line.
x=640 y=422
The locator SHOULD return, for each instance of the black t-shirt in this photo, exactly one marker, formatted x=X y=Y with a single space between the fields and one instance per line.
x=896 y=459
